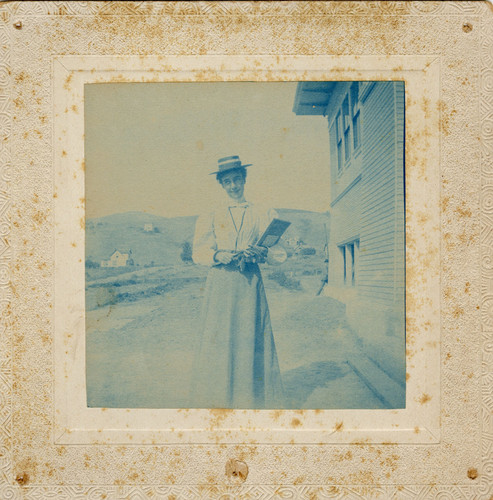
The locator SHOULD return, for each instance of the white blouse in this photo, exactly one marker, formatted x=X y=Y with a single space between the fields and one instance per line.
x=233 y=228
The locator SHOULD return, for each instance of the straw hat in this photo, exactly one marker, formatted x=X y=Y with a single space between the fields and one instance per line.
x=228 y=163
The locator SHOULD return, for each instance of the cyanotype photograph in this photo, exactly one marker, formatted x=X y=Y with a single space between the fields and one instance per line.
x=245 y=245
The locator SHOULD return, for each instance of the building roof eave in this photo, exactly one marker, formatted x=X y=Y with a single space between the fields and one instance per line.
x=312 y=98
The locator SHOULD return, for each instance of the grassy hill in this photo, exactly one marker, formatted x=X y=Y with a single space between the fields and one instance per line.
x=125 y=231
x=307 y=226
x=162 y=246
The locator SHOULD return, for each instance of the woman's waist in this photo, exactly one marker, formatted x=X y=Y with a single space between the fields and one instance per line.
x=238 y=266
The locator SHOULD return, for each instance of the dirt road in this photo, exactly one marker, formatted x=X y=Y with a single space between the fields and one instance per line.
x=140 y=352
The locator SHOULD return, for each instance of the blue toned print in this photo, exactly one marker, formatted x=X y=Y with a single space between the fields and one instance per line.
x=182 y=310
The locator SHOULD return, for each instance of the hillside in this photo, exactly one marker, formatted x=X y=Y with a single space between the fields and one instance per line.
x=307 y=226
x=162 y=246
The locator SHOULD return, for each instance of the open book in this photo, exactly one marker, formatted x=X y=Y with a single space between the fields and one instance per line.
x=273 y=233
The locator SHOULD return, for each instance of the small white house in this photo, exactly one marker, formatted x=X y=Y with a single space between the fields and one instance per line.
x=293 y=241
x=117 y=259
x=148 y=228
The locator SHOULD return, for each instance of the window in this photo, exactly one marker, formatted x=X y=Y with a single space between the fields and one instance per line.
x=340 y=161
x=355 y=115
x=342 y=249
x=350 y=273
x=347 y=127
x=347 y=131
x=349 y=253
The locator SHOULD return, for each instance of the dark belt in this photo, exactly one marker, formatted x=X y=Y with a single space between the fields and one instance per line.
x=249 y=267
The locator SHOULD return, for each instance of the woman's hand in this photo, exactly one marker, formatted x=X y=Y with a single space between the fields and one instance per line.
x=256 y=253
x=224 y=257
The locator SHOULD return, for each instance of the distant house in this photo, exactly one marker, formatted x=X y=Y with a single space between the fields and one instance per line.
x=118 y=259
x=148 y=228
x=293 y=241
x=366 y=251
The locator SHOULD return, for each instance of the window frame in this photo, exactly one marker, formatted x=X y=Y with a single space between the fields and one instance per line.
x=348 y=128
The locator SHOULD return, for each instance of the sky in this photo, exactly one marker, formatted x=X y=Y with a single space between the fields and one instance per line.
x=150 y=147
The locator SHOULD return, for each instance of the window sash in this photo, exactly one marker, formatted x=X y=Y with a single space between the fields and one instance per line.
x=347 y=145
x=357 y=130
x=339 y=156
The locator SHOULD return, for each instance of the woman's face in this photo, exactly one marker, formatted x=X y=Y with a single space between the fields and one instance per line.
x=234 y=184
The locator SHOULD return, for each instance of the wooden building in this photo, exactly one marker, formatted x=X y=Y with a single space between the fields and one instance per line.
x=367 y=237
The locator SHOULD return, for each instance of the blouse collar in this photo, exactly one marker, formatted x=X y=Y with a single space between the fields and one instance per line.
x=232 y=204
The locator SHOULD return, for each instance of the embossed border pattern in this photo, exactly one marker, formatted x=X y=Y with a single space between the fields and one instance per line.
x=9 y=13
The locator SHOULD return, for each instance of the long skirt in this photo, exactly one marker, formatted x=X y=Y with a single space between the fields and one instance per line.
x=236 y=363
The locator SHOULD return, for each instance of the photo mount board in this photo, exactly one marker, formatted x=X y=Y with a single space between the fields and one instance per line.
x=51 y=447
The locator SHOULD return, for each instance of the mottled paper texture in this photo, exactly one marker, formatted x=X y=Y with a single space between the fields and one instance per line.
x=52 y=446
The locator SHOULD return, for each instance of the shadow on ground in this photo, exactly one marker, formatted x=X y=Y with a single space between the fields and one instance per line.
x=300 y=382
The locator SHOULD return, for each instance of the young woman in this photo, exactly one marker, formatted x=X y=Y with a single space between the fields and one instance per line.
x=236 y=363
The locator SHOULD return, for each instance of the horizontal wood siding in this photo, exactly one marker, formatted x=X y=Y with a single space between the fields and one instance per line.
x=400 y=222
x=346 y=216
x=377 y=263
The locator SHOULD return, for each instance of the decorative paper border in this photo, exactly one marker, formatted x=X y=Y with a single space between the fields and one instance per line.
x=9 y=14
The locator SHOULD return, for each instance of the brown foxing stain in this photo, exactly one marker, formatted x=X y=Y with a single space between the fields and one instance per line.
x=444 y=202
x=463 y=210
x=458 y=312
x=445 y=116
x=423 y=217
x=20 y=77
x=75 y=109
x=219 y=415
x=341 y=457
x=424 y=399
x=334 y=490
x=39 y=217
x=295 y=422
x=46 y=339
x=426 y=107
x=22 y=479
x=28 y=467
x=466 y=238
x=339 y=426
x=362 y=477
x=68 y=81
x=472 y=473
